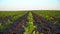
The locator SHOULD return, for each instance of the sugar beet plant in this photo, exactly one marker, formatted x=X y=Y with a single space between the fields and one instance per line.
x=29 y=24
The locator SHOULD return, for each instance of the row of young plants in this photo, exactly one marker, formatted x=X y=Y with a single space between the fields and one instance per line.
x=29 y=27
x=29 y=24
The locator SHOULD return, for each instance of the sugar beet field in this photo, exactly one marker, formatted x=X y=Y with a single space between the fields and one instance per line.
x=30 y=22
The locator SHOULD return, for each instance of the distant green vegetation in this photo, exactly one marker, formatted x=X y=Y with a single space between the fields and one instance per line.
x=48 y=13
x=13 y=14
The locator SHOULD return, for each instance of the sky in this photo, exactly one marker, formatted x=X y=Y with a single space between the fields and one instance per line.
x=29 y=5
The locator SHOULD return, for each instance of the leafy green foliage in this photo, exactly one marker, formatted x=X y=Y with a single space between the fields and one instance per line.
x=1 y=28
